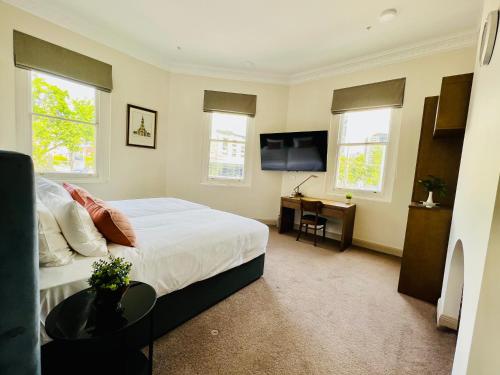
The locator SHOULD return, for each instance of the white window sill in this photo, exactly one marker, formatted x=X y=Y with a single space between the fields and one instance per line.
x=72 y=178
x=225 y=183
x=357 y=195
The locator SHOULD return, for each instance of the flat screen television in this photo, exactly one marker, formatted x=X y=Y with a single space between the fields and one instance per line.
x=294 y=151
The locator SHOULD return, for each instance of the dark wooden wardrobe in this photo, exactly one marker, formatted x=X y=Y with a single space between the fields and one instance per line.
x=439 y=152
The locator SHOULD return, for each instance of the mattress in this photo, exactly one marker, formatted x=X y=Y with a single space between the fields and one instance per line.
x=179 y=243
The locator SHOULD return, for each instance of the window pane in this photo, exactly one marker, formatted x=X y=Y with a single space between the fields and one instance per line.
x=229 y=127
x=365 y=126
x=61 y=146
x=227 y=160
x=62 y=98
x=361 y=167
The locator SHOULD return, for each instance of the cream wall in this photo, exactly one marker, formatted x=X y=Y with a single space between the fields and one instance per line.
x=185 y=150
x=476 y=225
x=484 y=358
x=380 y=225
x=135 y=172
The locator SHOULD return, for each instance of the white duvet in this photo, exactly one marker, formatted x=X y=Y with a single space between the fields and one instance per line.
x=179 y=243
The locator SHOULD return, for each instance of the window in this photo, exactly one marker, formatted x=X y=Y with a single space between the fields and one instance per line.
x=363 y=145
x=63 y=130
x=228 y=139
x=63 y=125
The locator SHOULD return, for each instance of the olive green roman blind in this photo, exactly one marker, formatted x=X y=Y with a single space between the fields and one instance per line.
x=37 y=54
x=218 y=101
x=371 y=96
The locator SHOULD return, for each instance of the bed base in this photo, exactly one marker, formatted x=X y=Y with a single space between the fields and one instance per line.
x=175 y=308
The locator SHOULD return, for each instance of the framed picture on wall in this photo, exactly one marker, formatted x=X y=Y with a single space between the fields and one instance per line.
x=141 y=127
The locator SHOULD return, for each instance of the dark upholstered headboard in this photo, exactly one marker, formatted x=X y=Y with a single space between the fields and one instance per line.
x=19 y=295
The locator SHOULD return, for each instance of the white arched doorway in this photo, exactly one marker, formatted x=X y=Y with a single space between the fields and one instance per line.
x=452 y=299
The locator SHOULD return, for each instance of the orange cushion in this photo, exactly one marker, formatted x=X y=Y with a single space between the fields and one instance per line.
x=77 y=193
x=113 y=224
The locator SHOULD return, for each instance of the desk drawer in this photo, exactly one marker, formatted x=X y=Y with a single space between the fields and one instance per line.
x=290 y=203
x=332 y=212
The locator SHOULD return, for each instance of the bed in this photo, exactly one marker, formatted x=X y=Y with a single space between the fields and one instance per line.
x=193 y=256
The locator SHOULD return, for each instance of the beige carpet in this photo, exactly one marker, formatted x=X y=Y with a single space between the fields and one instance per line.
x=315 y=311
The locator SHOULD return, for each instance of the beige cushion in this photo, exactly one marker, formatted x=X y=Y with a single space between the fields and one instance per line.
x=52 y=246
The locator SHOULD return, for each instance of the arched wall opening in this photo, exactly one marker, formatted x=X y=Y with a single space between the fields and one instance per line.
x=454 y=290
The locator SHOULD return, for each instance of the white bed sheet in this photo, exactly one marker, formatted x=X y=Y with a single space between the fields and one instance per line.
x=179 y=243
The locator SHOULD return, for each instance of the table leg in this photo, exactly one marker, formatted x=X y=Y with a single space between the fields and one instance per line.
x=347 y=229
x=287 y=217
x=151 y=343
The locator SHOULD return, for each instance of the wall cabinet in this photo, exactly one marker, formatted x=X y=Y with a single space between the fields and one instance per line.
x=453 y=106
x=424 y=256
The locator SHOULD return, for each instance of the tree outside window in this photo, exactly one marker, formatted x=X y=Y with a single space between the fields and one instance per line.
x=64 y=120
x=362 y=146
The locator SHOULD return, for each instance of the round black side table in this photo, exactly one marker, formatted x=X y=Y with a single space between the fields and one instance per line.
x=91 y=341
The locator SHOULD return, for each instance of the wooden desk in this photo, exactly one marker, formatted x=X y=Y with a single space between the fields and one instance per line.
x=338 y=210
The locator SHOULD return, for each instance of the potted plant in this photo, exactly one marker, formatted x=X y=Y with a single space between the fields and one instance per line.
x=433 y=184
x=348 y=197
x=110 y=280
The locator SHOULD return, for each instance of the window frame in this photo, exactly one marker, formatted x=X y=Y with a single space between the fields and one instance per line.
x=24 y=135
x=247 y=167
x=389 y=172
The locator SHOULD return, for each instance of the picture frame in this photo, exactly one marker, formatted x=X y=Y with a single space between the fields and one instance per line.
x=141 y=126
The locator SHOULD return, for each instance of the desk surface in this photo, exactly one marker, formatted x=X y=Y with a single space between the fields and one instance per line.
x=326 y=202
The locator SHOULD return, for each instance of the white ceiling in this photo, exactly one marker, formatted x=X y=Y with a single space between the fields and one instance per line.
x=271 y=38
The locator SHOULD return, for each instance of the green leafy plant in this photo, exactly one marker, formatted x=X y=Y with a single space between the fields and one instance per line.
x=51 y=133
x=110 y=274
x=434 y=184
x=348 y=196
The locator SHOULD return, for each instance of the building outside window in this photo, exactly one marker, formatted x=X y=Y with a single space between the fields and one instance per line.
x=227 y=144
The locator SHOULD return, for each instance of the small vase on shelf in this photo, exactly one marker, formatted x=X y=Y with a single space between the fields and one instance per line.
x=433 y=184
x=429 y=203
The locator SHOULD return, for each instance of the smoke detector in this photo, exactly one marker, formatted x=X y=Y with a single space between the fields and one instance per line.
x=388 y=15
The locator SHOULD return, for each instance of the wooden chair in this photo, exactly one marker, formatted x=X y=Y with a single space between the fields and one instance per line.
x=309 y=215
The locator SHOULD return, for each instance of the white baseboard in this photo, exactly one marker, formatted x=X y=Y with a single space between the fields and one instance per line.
x=355 y=241
x=378 y=247
x=445 y=320
x=272 y=222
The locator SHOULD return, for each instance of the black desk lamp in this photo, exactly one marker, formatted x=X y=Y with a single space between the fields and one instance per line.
x=296 y=190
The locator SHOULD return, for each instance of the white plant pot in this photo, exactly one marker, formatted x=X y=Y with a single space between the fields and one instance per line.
x=429 y=203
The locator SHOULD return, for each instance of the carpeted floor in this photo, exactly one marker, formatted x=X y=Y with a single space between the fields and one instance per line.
x=315 y=311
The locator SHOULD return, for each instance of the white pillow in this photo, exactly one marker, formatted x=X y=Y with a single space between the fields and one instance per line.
x=77 y=226
x=52 y=246
x=44 y=187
